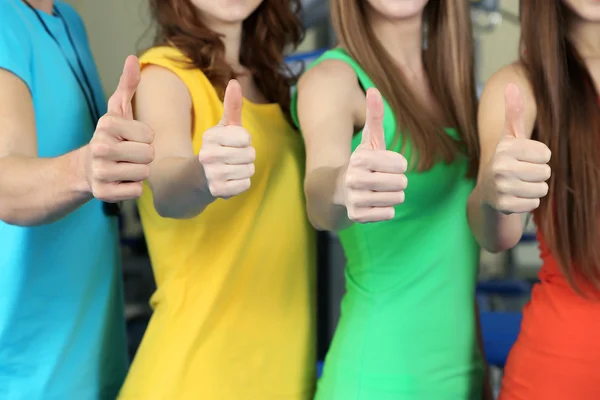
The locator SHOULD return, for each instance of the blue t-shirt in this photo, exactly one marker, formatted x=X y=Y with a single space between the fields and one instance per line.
x=62 y=327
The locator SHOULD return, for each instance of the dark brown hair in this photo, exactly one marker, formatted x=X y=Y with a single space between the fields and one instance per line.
x=449 y=63
x=275 y=26
x=568 y=122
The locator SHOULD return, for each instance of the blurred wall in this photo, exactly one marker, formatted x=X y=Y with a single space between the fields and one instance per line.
x=501 y=46
x=118 y=28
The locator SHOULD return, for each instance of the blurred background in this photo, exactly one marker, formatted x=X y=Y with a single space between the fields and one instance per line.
x=118 y=28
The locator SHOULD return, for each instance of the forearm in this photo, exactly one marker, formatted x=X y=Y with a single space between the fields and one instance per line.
x=179 y=187
x=36 y=191
x=326 y=204
x=495 y=231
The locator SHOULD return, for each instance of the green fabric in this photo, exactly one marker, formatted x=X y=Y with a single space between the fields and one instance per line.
x=407 y=327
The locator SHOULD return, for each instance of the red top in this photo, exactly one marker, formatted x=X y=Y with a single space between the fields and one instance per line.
x=557 y=354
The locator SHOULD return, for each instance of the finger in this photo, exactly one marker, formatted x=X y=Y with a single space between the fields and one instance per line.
x=532 y=151
x=231 y=172
x=514 y=112
x=377 y=199
x=375 y=214
x=117 y=192
x=231 y=136
x=373 y=135
x=119 y=103
x=228 y=189
x=380 y=161
x=521 y=189
x=535 y=173
x=377 y=181
x=125 y=151
x=516 y=205
x=227 y=155
x=121 y=172
x=232 y=104
x=122 y=129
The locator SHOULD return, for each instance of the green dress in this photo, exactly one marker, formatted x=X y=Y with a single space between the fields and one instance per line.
x=407 y=328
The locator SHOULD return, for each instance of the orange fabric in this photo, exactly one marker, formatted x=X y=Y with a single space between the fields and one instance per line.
x=557 y=353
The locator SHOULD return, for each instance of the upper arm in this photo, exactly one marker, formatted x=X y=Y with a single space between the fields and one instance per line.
x=491 y=113
x=328 y=99
x=163 y=102
x=17 y=117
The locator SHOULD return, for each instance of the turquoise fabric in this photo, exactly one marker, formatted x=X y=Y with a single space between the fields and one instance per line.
x=62 y=332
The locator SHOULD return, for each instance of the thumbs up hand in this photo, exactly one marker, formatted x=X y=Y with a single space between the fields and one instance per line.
x=515 y=178
x=119 y=154
x=374 y=180
x=226 y=154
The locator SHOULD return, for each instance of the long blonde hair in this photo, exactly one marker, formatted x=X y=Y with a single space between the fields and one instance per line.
x=449 y=63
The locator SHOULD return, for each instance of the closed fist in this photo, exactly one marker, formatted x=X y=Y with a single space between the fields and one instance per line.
x=515 y=178
x=374 y=180
x=120 y=151
x=227 y=155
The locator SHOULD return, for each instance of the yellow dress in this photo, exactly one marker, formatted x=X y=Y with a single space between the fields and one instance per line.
x=234 y=309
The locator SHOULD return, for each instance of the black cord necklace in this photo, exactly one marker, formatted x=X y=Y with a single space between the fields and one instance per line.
x=85 y=86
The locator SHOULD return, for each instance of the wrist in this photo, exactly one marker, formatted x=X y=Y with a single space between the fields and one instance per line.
x=339 y=196
x=78 y=171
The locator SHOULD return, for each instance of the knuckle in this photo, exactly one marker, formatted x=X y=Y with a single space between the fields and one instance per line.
x=100 y=172
x=99 y=149
x=108 y=123
x=358 y=159
x=100 y=192
x=545 y=189
x=503 y=203
x=206 y=156
x=252 y=154
x=251 y=169
x=217 y=189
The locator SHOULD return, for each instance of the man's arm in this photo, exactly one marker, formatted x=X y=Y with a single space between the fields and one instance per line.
x=36 y=191
x=33 y=190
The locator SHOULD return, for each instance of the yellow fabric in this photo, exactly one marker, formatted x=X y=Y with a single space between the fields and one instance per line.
x=234 y=310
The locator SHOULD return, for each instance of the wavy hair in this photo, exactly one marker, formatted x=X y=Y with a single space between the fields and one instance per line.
x=449 y=63
x=568 y=122
x=274 y=27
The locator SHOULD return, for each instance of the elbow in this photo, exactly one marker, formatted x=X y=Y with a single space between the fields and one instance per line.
x=15 y=217
x=503 y=242
x=166 y=209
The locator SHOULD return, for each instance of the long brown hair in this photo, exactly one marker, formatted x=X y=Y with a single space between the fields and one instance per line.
x=448 y=60
x=274 y=27
x=568 y=122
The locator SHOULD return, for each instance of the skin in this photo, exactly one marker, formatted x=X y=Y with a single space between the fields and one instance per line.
x=514 y=169
x=36 y=191
x=184 y=183
x=343 y=187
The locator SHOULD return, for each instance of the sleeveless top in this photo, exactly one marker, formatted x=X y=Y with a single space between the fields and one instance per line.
x=557 y=352
x=234 y=311
x=407 y=327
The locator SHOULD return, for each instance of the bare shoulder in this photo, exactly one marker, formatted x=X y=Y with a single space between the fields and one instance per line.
x=330 y=88
x=492 y=103
x=513 y=73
